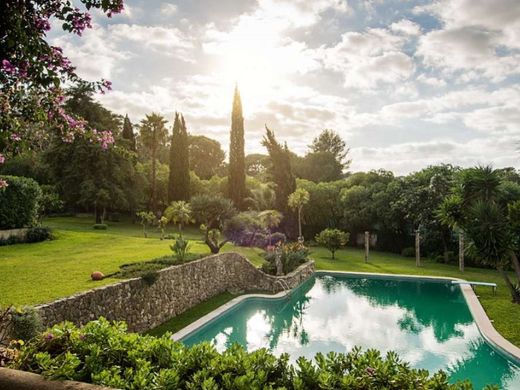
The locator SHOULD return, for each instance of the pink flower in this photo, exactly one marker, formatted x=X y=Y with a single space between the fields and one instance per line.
x=42 y=24
x=15 y=137
x=49 y=336
x=8 y=67
x=3 y=184
x=2 y=158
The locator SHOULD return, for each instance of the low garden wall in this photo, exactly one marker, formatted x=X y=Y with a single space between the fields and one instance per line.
x=176 y=289
x=18 y=233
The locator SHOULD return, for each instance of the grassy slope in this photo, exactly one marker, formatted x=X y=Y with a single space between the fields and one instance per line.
x=36 y=273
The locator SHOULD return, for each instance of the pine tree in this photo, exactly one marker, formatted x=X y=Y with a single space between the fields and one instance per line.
x=128 y=134
x=179 y=181
x=237 y=165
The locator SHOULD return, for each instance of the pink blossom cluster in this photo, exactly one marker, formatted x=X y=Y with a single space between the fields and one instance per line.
x=15 y=137
x=2 y=158
x=8 y=68
x=11 y=69
x=42 y=23
x=80 y=21
x=117 y=9
x=106 y=85
x=105 y=138
x=3 y=184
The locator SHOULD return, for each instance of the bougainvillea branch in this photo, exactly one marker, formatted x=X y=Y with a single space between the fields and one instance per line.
x=32 y=73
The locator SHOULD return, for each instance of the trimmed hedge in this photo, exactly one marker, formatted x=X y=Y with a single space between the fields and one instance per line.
x=19 y=202
x=104 y=353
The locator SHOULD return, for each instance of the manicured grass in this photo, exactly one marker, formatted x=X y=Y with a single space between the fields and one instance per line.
x=499 y=308
x=42 y=272
x=177 y=323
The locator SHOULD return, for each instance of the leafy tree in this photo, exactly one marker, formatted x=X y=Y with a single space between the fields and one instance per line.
x=256 y=164
x=146 y=218
x=330 y=142
x=237 y=167
x=179 y=212
x=332 y=239
x=206 y=156
x=476 y=207
x=318 y=167
x=212 y=212
x=296 y=201
x=128 y=134
x=280 y=171
x=86 y=176
x=262 y=197
x=271 y=220
x=32 y=73
x=153 y=133
x=179 y=183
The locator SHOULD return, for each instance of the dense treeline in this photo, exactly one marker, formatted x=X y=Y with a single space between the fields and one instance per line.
x=152 y=164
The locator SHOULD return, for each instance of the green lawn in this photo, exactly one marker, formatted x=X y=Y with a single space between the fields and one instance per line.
x=37 y=273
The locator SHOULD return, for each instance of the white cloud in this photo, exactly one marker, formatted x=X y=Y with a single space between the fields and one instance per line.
x=406 y=27
x=368 y=58
x=168 y=9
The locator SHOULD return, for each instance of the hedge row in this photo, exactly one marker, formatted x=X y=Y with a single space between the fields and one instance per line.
x=104 y=353
x=19 y=202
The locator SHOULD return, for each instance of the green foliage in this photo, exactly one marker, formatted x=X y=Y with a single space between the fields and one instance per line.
x=19 y=202
x=244 y=228
x=105 y=354
x=317 y=167
x=150 y=277
x=153 y=134
x=50 y=202
x=179 y=181
x=212 y=210
x=330 y=142
x=291 y=255
x=38 y=234
x=179 y=213
x=332 y=239
x=237 y=165
x=146 y=218
x=128 y=134
x=180 y=248
x=26 y=323
x=100 y=226
x=409 y=251
x=206 y=156
x=280 y=171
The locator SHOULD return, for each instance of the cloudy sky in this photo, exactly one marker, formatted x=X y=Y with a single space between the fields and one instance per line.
x=405 y=83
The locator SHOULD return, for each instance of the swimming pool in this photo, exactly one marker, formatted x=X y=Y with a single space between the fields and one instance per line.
x=428 y=323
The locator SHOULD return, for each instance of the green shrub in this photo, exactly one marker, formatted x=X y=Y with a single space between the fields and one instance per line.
x=38 y=234
x=19 y=202
x=408 y=252
x=100 y=226
x=104 y=353
x=332 y=239
x=26 y=323
x=180 y=248
x=150 y=277
x=292 y=255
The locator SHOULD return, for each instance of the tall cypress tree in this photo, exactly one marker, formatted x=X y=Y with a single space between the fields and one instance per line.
x=179 y=181
x=128 y=134
x=237 y=165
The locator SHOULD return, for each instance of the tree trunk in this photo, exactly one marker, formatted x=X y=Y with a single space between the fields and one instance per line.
x=461 y=252
x=515 y=295
x=516 y=265
x=445 y=250
x=417 y=248
x=152 y=187
x=97 y=214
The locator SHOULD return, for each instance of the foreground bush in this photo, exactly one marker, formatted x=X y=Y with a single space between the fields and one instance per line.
x=291 y=256
x=104 y=353
x=19 y=202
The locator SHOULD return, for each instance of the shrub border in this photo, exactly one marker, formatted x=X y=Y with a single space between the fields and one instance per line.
x=484 y=324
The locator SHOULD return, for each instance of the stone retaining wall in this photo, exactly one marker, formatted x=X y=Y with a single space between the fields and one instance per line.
x=18 y=233
x=176 y=289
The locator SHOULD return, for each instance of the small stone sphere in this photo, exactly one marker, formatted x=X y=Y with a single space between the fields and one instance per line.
x=96 y=275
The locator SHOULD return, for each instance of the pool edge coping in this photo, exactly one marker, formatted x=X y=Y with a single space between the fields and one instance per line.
x=478 y=313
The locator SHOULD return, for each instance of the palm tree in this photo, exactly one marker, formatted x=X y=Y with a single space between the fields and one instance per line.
x=296 y=201
x=270 y=219
x=179 y=213
x=153 y=134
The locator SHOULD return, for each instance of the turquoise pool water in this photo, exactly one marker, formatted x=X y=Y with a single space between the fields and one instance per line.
x=428 y=323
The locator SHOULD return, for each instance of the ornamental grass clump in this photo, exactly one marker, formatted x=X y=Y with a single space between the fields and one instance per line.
x=104 y=353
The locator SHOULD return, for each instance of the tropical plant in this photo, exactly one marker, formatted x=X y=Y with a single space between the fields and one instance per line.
x=146 y=218
x=332 y=239
x=179 y=212
x=180 y=248
x=296 y=201
x=291 y=256
x=271 y=219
